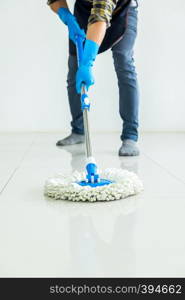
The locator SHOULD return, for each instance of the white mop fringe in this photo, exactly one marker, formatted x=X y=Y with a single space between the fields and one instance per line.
x=64 y=187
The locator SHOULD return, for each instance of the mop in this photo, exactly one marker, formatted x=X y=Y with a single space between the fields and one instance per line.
x=92 y=185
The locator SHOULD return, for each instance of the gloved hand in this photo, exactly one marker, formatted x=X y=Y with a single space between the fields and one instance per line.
x=68 y=19
x=84 y=74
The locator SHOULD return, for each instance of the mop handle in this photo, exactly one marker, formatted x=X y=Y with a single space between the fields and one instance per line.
x=85 y=104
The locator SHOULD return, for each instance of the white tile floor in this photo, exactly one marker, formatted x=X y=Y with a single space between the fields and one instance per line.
x=138 y=236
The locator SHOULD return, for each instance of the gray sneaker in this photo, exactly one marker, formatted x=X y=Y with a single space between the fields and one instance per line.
x=129 y=148
x=72 y=139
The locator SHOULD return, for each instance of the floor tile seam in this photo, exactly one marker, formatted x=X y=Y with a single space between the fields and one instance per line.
x=18 y=165
x=164 y=168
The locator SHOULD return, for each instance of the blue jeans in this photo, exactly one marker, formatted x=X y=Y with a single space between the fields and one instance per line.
x=127 y=83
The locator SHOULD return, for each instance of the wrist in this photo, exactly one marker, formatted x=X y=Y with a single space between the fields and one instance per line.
x=64 y=14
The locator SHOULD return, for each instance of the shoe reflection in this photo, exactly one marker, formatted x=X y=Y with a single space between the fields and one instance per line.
x=130 y=163
x=77 y=156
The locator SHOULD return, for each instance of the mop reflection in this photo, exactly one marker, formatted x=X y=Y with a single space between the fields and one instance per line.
x=101 y=235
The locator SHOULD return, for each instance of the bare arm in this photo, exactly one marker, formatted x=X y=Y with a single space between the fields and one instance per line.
x=96 y=32
x=100 y=19
x=57 y=4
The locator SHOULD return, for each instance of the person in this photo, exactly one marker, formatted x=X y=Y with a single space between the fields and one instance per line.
x=104 y=24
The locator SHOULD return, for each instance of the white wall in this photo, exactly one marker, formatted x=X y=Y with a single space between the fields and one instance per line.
x=33 y=67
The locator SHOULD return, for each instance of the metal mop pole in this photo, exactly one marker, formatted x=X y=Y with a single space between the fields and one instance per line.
x=86 y=130
x=91 y=167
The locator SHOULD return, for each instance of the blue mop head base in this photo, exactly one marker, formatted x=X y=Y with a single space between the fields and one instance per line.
x=92 y=178
x=101 y=182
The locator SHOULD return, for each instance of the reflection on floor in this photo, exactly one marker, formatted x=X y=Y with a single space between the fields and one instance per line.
x=138 y=236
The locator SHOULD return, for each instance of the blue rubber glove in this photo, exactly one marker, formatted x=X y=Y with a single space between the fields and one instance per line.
x=84 y=74
x=68 y=19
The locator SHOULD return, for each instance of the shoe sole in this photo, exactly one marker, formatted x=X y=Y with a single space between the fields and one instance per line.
x=63 y=145
x=126 y=154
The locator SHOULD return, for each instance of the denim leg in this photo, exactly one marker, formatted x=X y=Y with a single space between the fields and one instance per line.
x=74 y=98
x=127 y=78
